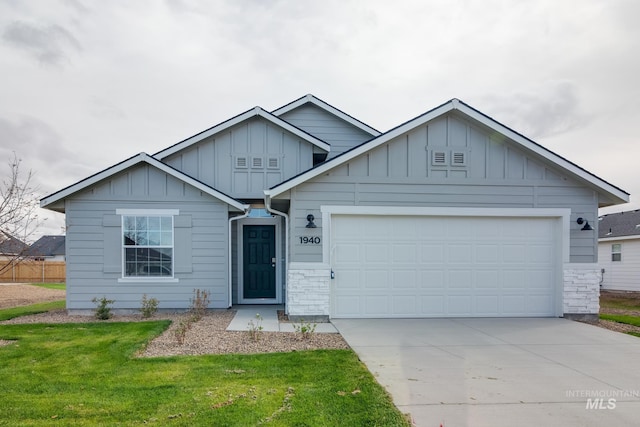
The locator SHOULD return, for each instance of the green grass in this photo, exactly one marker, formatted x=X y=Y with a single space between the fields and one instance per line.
x=86 y=374
x=61 y=286
x=10 y=313
x=621 y=318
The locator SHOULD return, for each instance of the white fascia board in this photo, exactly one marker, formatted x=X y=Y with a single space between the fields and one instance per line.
x=257 y=111
x=328 y=108
x=622 y=196
x=367 y=146
x=613 y=239
x=142 y=157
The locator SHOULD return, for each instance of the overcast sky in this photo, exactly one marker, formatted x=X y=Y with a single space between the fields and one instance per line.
x=86 y=84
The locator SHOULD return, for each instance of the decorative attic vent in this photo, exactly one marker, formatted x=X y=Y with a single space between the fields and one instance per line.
x=241 y=162
x=273 y=163
x=256 y=162
x=458 y=158
x=439 y=158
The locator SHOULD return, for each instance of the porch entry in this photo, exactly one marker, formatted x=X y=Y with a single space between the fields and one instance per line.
x=259 y=259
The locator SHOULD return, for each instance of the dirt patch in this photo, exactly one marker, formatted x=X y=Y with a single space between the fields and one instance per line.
x=16 y=295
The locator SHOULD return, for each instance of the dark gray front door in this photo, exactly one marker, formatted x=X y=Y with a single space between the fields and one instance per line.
x=259 y=251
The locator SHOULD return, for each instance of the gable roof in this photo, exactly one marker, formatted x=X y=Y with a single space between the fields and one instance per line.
x=10 y=245
x=310 y=99
x=47 y=246
x=254 y=112
x=50 y=201
x=619 y=224
x=618 y=195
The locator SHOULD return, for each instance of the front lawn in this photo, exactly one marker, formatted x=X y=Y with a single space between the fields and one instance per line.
x=61 y=286
x=25 y=310
x=87 y=374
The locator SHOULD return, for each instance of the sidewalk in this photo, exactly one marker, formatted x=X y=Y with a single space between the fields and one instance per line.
x=270 y=323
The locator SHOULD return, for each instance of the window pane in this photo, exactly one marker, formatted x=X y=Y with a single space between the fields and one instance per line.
x=616 y=247
x=616 y=257
x=141 y=237
x=153 y=223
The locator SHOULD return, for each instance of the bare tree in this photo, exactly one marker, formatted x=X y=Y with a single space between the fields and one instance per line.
x=18 y=213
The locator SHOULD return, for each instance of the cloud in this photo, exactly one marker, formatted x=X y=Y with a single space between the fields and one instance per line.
x=42 y=150
x=49 y=45
x=103 y=109
x=548 y=109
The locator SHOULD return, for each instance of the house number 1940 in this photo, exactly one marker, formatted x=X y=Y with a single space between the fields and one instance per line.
x=306 y=240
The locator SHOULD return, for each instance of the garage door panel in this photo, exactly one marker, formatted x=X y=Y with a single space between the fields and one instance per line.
x=487 y=305
x=432 y=253
x=394 y=266
x=375 y=279
x=403 y=305
x=403 y=279
x=459 y=305
x=376 y=305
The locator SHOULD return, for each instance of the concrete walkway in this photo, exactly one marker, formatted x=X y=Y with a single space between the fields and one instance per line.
x=502 y=372
x=270 y=323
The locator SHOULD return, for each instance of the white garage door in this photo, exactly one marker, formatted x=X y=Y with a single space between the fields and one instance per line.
x=426 y=266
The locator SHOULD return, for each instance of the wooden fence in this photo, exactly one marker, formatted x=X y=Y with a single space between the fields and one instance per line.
x=34 y=271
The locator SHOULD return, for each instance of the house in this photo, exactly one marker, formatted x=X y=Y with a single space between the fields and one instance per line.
x=448 y=214
x=47 y=248
x=11 y=247
x=619 y=250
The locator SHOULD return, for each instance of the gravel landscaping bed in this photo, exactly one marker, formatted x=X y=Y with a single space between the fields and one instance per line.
x=17 y=294
x=206 y=336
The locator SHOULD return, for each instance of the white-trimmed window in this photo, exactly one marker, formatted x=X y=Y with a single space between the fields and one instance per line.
x=147 y=244
x=616 y=252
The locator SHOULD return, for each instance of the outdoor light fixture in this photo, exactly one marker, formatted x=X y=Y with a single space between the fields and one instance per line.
x=586 y=227
x=310 y=223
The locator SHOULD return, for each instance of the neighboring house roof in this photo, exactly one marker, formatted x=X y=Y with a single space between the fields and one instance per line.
x=255 y=112
x=622 y=224
x=615 y=194
x=47 y=246
x=10 y=245
x=51 y=200
x=310 y=99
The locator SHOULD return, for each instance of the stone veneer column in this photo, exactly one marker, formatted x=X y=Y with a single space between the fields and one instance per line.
x=308 y=291
x=581 y=296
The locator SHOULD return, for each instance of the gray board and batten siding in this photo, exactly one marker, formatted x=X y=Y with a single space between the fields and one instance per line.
x=341 y=135
x=491 y=172
x=247 y=158
x=94 y=241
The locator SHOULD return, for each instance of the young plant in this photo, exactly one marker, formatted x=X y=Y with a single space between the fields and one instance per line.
x=149 y=306
x=255 y=327
x=103 y=309
x=181 y=330
x=305 y=329
x=199 y=304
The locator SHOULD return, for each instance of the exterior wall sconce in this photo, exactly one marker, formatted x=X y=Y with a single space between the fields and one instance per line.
x=310 y=223
x=586 y=227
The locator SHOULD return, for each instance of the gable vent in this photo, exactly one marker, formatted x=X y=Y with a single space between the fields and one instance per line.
x=273 y=163
x=438 y=158
x=241 y=162
x=458 y=158
x=256 y=162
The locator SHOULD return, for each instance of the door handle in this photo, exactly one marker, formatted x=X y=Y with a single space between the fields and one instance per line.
x=273 y=262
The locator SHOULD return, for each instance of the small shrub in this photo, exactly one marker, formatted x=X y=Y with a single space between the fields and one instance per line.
x=149 y=306
x=255 y=327
x=305 y=329
x=199 y=304
x=103 y=309
x=181 y=330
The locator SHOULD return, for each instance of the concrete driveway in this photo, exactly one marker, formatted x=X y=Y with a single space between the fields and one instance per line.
x=502 y=372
